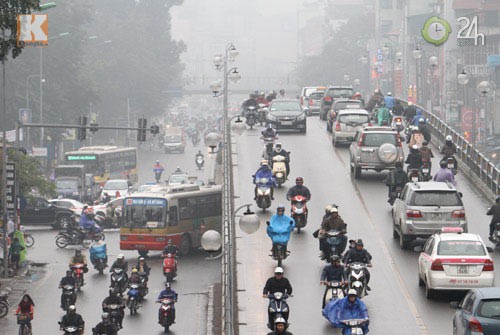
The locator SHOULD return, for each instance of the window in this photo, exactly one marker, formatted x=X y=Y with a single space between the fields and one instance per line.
x=436 y=198
x=200 y=207
x=285 y=106
x=489 y=309
x=145 y=212
x=354 y=118
x=376 y=140
x=429 y=245
x=468 y=302
x=338 y=93
x=173 y=219
x=461 y=248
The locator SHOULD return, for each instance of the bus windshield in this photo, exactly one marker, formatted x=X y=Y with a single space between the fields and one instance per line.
x=145 y=213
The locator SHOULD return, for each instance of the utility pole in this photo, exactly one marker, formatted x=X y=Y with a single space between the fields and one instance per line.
x=4 y=170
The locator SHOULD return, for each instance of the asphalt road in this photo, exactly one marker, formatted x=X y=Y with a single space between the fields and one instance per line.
x=194 y=278
x=396 y=304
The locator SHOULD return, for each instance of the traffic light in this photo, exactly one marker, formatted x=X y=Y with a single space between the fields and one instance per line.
x=82 y=131
x=141 y=133
x=155 y=129
x=93 y=127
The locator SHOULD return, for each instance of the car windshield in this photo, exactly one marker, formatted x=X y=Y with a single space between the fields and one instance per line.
x=460 y=248
x=309 y=90
x=340 y=92
x=376 y=140
x=66 y=184
x=285 y=106
x=436 y=198
x=354 y=118
x=316 y=95
x=145 y=212
x=346 y=105
x=172 y=139
x=116 y=185
x=489 y=308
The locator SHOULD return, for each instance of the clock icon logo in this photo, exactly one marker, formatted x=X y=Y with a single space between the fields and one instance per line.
x=436 y=30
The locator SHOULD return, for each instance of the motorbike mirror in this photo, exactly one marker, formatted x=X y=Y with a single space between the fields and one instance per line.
x=268 y=223
x=418 y=248
x=490 y=249
x=291 y=222
x=460 y=194
x=454 y=305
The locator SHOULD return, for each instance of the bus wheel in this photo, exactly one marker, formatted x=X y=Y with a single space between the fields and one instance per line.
x=185 y=246
x=143 y=253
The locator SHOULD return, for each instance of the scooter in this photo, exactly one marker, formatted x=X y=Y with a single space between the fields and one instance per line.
x=268 y=147
x=200 y=161
x=99 y=257
x=450 y=164
x=261 y=113
x=425 y=172
x=158 y=176
x=334 y=241
x=414 y=175
x=279 y=169
x=353 y=326
x=169 y=268
x=357 y=278
x=278 y=307
x=70 y=330
x=334 y=291
x=279 y=252
x=299 y=212
x=166 y=318
x=263 y=194
x=118 y=280
x=4 y=303
x=496 y=236
x=133 y=298
x=69 y=296
x=115 y=313
x=78 y=269
x=251 y=117
x=397 y=122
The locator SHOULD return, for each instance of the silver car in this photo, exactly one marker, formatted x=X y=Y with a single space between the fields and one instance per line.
x=348 y=122
x=424 y=208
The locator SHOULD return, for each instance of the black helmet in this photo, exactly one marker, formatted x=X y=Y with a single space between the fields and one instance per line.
x=335 y=258
x=299 y=180
x=443 y=164
x=359 y=242
x=498 y=198
x=280 y=208
x=78 y=252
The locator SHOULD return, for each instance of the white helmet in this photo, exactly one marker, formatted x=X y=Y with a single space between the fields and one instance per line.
x=389 y=93
x=334 y=210
x=352 y=292
x=328 y=208
x=278 y=270
x=449 y=138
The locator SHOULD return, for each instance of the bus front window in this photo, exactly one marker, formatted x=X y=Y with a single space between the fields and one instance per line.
x=145 y=213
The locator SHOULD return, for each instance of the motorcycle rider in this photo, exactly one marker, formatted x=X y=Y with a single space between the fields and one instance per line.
x=280 y=327
x=414 y=159
x=415 y=138
x=396 y=178
x=120 y=263
x=348 y=308
x=449 y=150
x=261 y=99
x=278 y=283
x=359 y=255
x=424 y=129
x=280 y=227
x=105 y=327
x=271 y=96
x=67 y=280
x=199 y=155
x=78 y=258
x=170 y=248
x=426 y=154
x=410 y=112
x=142 y=266
x=167 y=293
x=72 y=319
x=298 y=189
x=114 y=299
x=251 y=101
x=495 y=212
x=374 y=100
x=279 y=151
x=444 y=174
x=332 y=222
x=383 y=115
x=389 y=100
x=158 y=169
x=282 y=94
x=269 y=132
x=105 y=198
x=398 y=109
x=333 y=272
x=264 y=172
x=87 y=220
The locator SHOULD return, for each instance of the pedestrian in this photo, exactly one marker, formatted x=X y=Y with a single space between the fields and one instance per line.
x=15 y=252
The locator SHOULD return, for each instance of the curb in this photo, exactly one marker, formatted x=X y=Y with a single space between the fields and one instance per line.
x=210 y=311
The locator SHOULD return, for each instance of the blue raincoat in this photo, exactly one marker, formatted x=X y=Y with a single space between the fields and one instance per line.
x=98 y=251
x=87 y=223
x=341 y=309
x=265 y=173
x=417 y=117
x=389 y=101
x=280 y=229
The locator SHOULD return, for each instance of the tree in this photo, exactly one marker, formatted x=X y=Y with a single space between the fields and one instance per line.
x=9 y=9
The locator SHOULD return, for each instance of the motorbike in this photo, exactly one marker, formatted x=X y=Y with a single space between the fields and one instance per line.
x=397 y=123
x=261 y=113
x=115 y=312
x=450 y=164
x=334 y=241
x=263 y=194
x=70 y=330
x=278 y=307
x=353 y=326
x=334 y=291
x=78 y=270
x=118 y=280
x=279 y=252
x=425 y=172
x=195 y=140
x=69 y=296
x=496 y=236
x=134 y=297
x=414 y=175
x=396 y=193
x=279 y=169
x=165 y=315
x=251 y=117
x=169 y=268
x=268 y=147
x=158 y=176
x=200 y=161
x=299 y=212
x=4 y=303
x=357 y=278
x=98 y=257
x=78 y=236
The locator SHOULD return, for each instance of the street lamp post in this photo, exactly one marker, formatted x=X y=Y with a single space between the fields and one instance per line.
x=484 y=88
x=417 y=55
x=433 y=62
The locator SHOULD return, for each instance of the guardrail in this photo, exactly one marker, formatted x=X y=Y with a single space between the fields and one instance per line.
x=478 y=163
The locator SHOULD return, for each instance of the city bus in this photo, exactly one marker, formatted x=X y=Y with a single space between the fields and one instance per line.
x=106 y=162
x=180 y=213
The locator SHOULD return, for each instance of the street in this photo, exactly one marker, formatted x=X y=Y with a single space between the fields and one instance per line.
x=396 y=304
x=192 y=283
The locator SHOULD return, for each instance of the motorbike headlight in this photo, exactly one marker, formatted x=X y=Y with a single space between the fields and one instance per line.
x=285 y=309
x=260 y=191
x=271 y=310
x=267 y=192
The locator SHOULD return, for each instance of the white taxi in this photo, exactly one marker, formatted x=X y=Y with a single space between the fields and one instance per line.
x=453 y=260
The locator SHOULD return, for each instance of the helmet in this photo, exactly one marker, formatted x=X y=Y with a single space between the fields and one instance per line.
x=278 y=145
x=72 y=309
x=389 y=93
x=421 y=120
x=167 y=285
x=270 y=92
x=335 y=258
x=279 y=269
x=262 y=93
x=157 y=161
x=251 y=95
x=280 y=320
x=69 y=273
x=334 y=210
x=169 y=241
x=424 y=143
x=112 y=292
x=269 y=126
x=299 y=180
x=497 y=199
x=120 y=256
x=264 y=162
x=449 y=138
x=443 y=164
x=78 y=252
x=359 y=242
x=134 y=270
x=414 y=147
x=352 y=292
x=89 y=210
x=376 y=91
x=410 y=103
x=282 y=91
x=104 y=316
x=141 y=259
x=280 y=207
x=328 y=209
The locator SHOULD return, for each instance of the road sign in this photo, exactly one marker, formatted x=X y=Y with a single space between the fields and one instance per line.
x=11 y=187
x=25 y=115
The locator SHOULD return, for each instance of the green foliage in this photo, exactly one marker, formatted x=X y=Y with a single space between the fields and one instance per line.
x=30 y=175
x=9 y=9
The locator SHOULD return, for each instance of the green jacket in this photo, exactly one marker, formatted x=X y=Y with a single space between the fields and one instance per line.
x=383 y=114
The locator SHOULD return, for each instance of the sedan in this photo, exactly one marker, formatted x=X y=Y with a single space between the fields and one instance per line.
x=286 y=114
x=75 y=205
x=478 y=312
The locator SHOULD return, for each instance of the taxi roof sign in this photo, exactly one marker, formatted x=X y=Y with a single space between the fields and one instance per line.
x=458 y=230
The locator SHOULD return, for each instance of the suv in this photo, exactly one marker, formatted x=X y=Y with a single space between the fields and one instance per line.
x=348 y=122
x=313 y=102
x=331 y=94
x=424 y=208
x=339 y=105
x=375 y=148
x=39 y=211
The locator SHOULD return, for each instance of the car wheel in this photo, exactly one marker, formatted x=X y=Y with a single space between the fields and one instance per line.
x=334 y=143
x=185 y=247
x=63 y=221
x=357 y=172
x=420 y=281
x=429 y=293
x=455 y=331
x=404 y=242
x=303 y=131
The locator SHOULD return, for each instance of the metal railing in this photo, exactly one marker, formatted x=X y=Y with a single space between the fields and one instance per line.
x=479 y=165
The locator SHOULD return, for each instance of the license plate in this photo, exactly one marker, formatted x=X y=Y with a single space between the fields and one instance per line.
x=436 y=216
x=287 y=123
x=140 y=246
x=463 y=270
x=425 y=170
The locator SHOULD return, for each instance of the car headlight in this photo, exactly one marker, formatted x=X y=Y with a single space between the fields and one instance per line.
x=301 y=117
x=271 y=117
